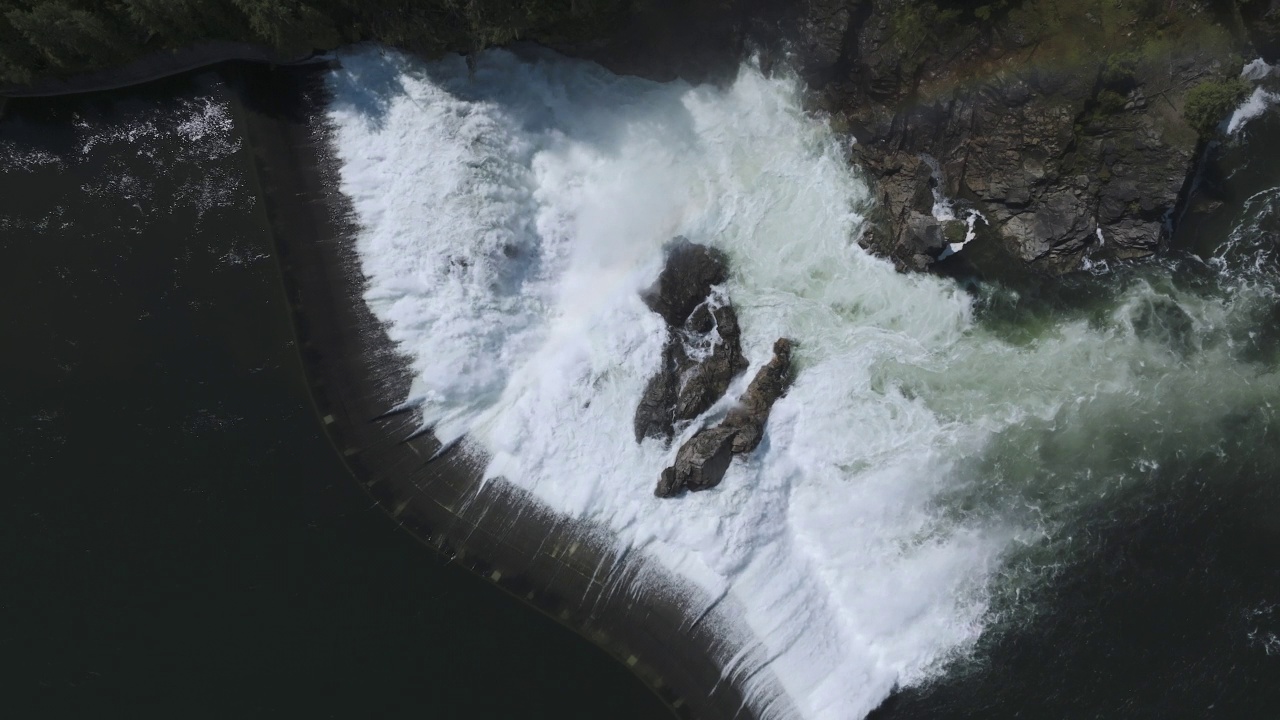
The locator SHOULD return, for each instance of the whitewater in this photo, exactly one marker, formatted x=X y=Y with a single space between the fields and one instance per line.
x=509 y=214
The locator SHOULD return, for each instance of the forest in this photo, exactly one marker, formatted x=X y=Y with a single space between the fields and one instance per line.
x=43 y=38
x=61 y=37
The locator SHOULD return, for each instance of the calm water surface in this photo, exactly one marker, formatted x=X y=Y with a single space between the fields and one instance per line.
x=181 y=540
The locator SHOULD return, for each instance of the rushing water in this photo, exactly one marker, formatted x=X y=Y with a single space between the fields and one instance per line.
x=948 y=464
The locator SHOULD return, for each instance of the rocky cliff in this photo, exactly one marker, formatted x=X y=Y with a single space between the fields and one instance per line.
x=1070 y=129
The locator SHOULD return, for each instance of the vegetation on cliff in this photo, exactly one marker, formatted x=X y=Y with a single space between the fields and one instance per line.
x=58 y=37
x=1210 y=102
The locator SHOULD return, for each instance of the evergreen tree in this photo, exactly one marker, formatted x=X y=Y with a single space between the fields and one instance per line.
x=66 y=36
x=178 y=22
x=289 y=25
x=39 y=37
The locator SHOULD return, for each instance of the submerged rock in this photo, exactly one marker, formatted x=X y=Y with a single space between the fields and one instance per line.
x=1162 y=321
x=703 y=460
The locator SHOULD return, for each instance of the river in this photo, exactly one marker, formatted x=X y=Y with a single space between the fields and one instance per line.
x=1033 y=499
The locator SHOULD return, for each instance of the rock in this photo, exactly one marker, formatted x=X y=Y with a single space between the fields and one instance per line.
x=824 y=24
x=1049 y=152
x=701 y=320
x=704 y=350
x=703 y=460
x=769 y=384
x=655 y=416
x=667 y=484
x=923 y=235
x=1262 y=21
x=702 y=384
x=686 y=280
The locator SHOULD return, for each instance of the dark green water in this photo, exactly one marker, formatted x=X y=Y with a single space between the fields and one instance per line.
x=180 y=539
x=1160 y=594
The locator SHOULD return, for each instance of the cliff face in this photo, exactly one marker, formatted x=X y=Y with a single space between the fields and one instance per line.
x=1066 y=125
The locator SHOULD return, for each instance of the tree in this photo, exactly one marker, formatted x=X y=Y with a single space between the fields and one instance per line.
x=177 y=22
x=289 y=26
x=66 y=36
x=1209 y=102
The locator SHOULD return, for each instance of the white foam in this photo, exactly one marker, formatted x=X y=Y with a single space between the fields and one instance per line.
x=16 y=157
x=1257 y=69
x=508 y=219
x=1252 y=107
x=944 y=210
x=1258 y=72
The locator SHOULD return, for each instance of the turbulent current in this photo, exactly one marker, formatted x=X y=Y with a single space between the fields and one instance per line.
x=931 y=464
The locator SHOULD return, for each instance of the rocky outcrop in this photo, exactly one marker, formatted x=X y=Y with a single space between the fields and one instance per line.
x=770 y=383
x=703 y=352
x=1062 y=124
x=703 y=460
x=702 y=356
x=691 y=270
x=700 y=464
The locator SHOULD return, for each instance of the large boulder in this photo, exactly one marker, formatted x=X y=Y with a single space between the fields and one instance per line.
x=655 y=415
x=702 y=461
x=691 y=270
x=751 y=414
x=704 y=350
x=702 y=383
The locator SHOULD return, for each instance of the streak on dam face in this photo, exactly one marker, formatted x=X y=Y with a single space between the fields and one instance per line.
x=927 y=465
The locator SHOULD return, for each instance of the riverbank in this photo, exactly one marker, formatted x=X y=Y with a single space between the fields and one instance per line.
x=150 y=68
x=673 y=641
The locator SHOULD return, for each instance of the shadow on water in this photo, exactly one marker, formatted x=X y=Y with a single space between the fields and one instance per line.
x=371 y=88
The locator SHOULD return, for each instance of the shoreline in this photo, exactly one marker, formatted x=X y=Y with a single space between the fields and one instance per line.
x=152 y=67
x=671 y=639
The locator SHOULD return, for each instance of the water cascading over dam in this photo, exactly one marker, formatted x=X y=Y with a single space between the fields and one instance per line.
x=928 y=463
